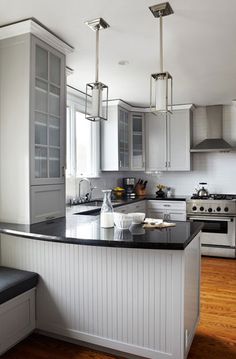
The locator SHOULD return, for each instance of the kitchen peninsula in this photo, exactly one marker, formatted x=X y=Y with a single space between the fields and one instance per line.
x=134 y=291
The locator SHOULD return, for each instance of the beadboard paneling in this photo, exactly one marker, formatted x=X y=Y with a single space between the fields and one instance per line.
x=126 y=299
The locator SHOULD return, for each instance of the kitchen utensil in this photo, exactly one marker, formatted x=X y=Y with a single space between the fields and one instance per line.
x=145 y=184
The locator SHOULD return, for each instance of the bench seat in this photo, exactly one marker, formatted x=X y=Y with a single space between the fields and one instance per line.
x=14 y=282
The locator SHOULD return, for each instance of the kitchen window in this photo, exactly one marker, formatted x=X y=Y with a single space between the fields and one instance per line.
x=82 y=142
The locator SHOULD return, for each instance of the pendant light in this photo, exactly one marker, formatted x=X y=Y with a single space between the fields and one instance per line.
x=96 y=101
x=161 y=83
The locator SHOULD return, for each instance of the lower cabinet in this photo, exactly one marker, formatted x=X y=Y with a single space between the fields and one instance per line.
x=167 y=210
x=47 y=202
x=132 y=207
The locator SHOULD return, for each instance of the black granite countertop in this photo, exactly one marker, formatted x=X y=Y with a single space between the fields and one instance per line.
x=86 y=230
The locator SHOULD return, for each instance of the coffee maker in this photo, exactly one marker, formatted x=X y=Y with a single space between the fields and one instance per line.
x=129 y=186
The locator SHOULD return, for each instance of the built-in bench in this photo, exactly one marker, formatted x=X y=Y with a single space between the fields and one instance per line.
x=17 y=305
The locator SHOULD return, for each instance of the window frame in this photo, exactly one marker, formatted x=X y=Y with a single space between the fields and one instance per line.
x=75 y=104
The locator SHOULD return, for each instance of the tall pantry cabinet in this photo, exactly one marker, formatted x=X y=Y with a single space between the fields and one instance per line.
x=32 y=124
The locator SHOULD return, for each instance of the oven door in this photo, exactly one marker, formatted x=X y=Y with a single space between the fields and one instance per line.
x=218 y=231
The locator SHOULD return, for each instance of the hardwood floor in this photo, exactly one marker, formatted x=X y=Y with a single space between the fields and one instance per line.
x=215 y=337
x=216 y=334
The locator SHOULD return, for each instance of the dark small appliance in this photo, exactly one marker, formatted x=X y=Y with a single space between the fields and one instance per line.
x=129 y=186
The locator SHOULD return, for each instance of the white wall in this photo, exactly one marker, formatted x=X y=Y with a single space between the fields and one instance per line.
x=217 y=169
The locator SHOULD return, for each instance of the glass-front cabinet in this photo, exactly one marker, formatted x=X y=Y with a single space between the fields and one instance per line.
x=48 y=114
x=123 y=138
x=137 y=141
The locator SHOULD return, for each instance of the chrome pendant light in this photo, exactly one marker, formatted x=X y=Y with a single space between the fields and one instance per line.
x=161 y=83
x=96 y=102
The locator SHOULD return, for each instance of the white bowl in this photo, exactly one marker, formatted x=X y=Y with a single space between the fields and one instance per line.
x=122 y=221
x=137 y=217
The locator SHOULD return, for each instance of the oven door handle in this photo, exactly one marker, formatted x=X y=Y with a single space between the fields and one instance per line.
x=222 y=219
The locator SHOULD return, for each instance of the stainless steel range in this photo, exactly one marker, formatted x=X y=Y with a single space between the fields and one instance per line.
x=218 y=213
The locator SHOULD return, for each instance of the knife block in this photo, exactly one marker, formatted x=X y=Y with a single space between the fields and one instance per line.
x=140 y=190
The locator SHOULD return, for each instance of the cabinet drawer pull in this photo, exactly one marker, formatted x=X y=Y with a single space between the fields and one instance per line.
x=166 y=205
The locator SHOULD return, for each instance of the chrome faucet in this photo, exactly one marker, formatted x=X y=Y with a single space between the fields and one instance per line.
x=88 y=195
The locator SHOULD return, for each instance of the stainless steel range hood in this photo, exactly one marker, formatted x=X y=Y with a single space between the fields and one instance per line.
x=214 y=141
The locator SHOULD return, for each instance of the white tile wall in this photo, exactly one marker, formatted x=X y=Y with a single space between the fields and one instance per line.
x=217 y=169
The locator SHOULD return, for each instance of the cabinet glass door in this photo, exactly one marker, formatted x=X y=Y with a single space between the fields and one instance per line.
x=137 y=154
x=47 y=114
x=123 y=139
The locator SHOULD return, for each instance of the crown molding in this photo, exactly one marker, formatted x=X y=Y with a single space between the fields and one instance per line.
x=34 y=27
x=129 y=107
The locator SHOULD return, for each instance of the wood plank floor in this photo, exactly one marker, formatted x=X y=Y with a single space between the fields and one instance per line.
x=216 y=334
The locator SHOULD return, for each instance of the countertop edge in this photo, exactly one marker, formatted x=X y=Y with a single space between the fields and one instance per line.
x=104 y=243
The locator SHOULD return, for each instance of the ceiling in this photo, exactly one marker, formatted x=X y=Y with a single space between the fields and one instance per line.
x=199 y=45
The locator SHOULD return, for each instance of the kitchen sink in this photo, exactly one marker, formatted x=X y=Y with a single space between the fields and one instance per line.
x=97 y=203
x=92 y=212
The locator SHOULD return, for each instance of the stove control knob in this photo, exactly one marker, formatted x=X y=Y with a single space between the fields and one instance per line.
x=210 y=210
x=218 y=209
x=201 y=208
x=194 y=208
x=226 y=209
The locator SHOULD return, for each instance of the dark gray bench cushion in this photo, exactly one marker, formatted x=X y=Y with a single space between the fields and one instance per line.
x=14 y=282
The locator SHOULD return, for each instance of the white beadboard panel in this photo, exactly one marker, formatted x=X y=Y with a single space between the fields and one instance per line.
x=126 y=299
x=192 y=265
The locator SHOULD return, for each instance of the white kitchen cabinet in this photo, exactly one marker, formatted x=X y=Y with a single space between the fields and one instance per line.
x=137 y=142
x=115 y=152
x=167 y=210
x=123 y=140
x=132 y=207
x=32 y=119
x=47 y=202
x=168 y=141
x=156 y=151
x=47 y=114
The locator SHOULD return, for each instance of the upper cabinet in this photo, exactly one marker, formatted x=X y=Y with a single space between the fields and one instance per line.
x=137 y=142
x=47 y=114
x=122 y=141
x=168 y=141
x=32 y=123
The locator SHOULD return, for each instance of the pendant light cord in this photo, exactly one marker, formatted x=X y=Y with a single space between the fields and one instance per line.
x=161 y=43
x=97 y=56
